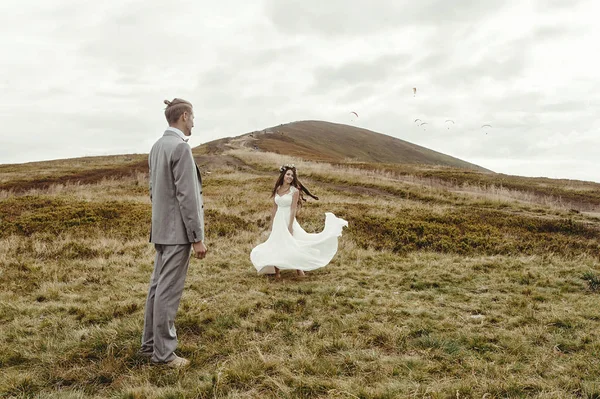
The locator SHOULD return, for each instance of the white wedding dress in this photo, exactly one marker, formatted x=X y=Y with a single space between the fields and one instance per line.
x=300 y=250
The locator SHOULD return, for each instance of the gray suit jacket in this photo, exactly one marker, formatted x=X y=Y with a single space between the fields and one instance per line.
x=175 y=192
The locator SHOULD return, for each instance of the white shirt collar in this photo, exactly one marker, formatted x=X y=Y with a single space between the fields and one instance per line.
x=178 y=132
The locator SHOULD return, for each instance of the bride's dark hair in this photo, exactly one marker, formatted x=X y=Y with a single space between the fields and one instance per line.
x=295 y=183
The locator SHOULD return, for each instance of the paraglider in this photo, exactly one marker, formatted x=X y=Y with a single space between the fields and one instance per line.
x=414 y=91
x=424 y=123
x=449 y=120
x=486 y=126
x=418 y=120
x=354 y=113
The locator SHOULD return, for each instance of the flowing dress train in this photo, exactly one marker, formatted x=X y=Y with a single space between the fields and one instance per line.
x=300 y=250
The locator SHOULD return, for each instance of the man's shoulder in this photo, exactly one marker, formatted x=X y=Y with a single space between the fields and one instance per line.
x=168 y=138
x=168 y=141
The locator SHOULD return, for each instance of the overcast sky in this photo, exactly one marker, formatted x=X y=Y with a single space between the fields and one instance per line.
x=85 y=78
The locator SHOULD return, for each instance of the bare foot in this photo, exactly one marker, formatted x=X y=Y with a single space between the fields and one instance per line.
x=300 y=273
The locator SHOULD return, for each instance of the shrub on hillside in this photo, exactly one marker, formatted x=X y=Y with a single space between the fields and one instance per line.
x=472 y=231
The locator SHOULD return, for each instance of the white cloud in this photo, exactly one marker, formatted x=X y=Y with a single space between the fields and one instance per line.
x=90 y=78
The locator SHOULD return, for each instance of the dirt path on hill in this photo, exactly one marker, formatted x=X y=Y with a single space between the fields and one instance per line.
x=210 y=162
x=360 y=190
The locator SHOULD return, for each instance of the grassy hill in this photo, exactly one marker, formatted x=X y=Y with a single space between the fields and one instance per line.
x=449 y=282
x=332 y=142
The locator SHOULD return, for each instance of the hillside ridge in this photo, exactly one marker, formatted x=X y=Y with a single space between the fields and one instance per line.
x=333 y=142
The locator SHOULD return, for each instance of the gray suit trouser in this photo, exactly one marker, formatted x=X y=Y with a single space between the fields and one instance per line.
x=164 y=294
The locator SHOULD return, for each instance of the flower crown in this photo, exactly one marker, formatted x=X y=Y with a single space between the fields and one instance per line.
x=287 y=166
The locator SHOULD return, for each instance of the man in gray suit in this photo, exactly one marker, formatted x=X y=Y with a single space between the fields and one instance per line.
x=177 y=227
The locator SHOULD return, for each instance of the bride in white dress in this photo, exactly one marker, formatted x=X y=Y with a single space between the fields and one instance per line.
x=288 y=245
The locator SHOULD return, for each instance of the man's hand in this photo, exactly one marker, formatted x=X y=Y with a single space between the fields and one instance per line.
x=199 y=249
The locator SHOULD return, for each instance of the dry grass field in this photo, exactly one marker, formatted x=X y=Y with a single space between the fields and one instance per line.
x=448 y=283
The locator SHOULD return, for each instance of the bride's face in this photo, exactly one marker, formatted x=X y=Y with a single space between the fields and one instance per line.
x=289 y=176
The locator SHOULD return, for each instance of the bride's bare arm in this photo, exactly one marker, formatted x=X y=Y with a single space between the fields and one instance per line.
x=293 y=210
